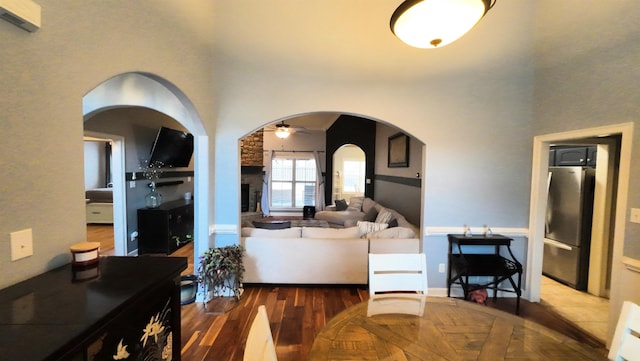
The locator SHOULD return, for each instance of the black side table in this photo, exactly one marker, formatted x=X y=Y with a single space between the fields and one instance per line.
x=500 y=268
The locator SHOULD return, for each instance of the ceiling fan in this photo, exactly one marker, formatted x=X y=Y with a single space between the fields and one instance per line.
x=283 y=130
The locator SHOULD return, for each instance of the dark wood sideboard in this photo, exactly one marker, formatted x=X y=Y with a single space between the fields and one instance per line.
x=123 y=306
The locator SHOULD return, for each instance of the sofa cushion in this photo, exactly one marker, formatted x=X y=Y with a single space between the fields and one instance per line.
x=396 y=232
x=384 y=216
x=293 y=232
x=370 y=215
x=330 y=233
x=355 y=204
x=341 y=204
x=339 y=217
x=368 y=227
x=367 y=204
x=394 y=245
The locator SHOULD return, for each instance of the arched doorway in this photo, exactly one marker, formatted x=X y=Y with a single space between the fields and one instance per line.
x=152 y=92
x=349 y=163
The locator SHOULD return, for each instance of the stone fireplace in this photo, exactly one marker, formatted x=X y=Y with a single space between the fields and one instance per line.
x=251 y=158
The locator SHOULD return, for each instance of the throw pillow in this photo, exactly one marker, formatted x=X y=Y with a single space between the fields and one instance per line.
x=355 y=203
x=341 y=205
x=371 y=215
x=330 y=233
x=384 y=216
x=368 y=227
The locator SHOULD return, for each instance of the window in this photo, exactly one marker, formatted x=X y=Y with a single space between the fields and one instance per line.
x=293 y=181
x=354 y=174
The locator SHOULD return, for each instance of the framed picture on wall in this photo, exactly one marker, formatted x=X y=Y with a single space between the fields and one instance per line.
x=398 y=151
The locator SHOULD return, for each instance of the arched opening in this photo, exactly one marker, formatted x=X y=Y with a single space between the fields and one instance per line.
x=147 y=91
x=349 y=178
x=398 y=188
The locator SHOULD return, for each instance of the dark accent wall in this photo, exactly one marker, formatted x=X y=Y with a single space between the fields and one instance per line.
x=348 y=129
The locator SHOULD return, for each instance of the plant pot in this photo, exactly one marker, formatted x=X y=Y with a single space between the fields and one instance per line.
x=188 y=289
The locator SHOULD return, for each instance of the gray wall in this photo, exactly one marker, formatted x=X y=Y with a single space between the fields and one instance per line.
x=138 y=127
x=587 y=76
x=43 y=78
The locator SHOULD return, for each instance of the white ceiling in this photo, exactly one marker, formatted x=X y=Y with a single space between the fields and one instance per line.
x=348 y=39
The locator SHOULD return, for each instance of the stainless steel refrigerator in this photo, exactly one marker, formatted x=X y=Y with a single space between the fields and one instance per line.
x=568 y=225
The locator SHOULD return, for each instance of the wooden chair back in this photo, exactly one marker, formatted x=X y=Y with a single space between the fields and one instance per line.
x=398 y=272
x=626 y=339
x=260 y=346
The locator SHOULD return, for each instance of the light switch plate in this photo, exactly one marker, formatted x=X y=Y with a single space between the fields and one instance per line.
x=21 y=244
x=635 y=215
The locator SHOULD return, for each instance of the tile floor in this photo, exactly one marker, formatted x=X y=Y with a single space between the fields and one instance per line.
x=586 y=311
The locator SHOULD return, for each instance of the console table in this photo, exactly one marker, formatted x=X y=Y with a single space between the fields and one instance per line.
x=123 y=306
x=497 y=267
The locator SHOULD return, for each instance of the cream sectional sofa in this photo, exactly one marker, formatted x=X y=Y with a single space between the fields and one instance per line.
x=310 y=255
x=359 y=209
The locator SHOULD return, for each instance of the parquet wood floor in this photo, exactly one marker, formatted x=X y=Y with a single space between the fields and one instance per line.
x=298 y=313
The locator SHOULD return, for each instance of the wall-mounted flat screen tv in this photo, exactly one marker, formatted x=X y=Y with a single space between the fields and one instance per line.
x=172 y=147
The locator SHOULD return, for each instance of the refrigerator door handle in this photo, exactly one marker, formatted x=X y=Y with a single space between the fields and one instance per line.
x=556 y=244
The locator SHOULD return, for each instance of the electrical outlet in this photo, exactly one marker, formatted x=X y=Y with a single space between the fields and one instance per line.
x=441 y=268
x=635 y=215
x=21 y=244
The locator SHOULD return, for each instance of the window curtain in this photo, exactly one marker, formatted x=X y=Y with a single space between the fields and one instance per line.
x=319 y=183
x=265 y=184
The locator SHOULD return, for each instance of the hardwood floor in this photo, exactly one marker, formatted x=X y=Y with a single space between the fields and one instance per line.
x=297 y=314
x=103 y=234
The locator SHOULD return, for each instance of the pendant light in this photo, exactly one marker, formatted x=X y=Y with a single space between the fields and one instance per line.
x=282 y=130
x=436 y=23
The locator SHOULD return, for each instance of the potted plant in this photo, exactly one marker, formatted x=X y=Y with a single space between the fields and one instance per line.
x=221 y=272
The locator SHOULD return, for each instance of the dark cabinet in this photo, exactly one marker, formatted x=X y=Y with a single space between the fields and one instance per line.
x=166 y=228
x=129 y=310
x=592 y=152
x=573 y=156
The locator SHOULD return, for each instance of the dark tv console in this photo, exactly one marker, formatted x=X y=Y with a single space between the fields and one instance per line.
x=166 y=228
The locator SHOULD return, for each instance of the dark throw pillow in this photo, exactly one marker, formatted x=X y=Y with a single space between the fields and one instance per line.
x=341 y=205
x=393 y=223
x=371 y=215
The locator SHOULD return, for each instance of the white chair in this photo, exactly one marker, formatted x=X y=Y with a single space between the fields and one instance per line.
x=260 y=345
x=626 y=339
x=397 y=272
x=399 y=303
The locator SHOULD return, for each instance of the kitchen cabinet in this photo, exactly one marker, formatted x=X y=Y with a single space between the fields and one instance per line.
x=572 y=156
x=166 y=228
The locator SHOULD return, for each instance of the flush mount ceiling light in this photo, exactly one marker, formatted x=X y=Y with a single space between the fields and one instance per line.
x=282 y=130
x=436 y=23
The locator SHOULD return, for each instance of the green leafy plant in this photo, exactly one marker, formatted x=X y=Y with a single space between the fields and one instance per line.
x=221 y=271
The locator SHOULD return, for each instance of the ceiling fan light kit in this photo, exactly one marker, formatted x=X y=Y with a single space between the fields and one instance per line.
x=436 y=23
x=282 y=130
